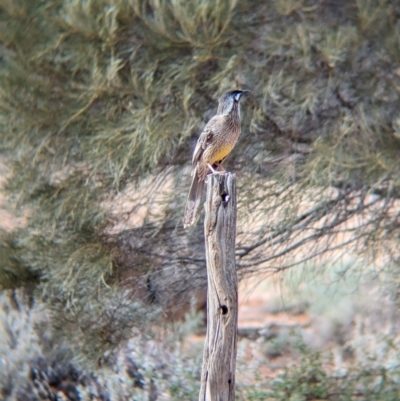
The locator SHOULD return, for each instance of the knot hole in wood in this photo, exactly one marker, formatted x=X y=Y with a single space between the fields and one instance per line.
x=225 y=198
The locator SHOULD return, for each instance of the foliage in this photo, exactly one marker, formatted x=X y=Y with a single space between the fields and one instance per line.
x=35 y=366
x=100 y=105
x=314 y=378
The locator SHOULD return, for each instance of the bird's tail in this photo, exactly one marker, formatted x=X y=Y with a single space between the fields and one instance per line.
x=193 y=200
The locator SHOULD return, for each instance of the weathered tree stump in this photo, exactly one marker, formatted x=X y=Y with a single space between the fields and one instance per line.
x=219 y=358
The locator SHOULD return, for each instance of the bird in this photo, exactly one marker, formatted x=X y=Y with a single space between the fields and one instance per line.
x=217 y=140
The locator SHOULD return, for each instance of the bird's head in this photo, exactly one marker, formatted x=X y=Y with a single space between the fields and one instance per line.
x=229 y=101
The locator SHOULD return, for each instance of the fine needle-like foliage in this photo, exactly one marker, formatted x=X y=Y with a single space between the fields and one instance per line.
x=101 y=103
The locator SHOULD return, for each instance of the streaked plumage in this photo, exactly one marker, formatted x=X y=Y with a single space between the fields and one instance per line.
x=215 y=143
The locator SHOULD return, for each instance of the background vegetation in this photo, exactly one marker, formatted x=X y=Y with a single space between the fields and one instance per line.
x=101 y=103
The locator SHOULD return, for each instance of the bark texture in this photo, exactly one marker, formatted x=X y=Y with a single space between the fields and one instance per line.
x=219 y=359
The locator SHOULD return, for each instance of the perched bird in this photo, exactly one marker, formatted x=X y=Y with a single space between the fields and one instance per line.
x=214 y=144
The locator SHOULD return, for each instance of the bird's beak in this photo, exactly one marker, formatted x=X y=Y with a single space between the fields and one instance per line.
x=244 y=92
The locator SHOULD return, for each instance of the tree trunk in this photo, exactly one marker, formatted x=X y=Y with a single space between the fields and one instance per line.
x=219 y=358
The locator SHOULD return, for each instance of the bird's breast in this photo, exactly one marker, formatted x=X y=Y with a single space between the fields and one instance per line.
x=226 y=132
x=220 y=152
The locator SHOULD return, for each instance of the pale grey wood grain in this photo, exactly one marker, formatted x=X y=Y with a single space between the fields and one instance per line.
x=219 y=358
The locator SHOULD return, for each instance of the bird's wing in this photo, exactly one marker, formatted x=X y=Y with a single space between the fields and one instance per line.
x=205 y=138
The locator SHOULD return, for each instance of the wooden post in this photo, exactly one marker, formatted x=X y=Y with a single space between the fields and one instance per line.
x=219 y=357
